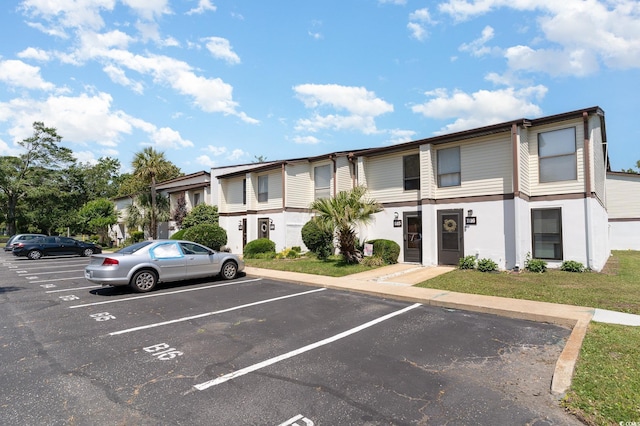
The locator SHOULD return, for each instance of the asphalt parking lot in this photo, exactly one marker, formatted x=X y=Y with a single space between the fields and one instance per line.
x=254 y=351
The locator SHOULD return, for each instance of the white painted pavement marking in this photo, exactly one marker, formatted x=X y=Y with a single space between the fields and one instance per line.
x=56 y=279
x=52 y=272
x=293 y=421
x=72 y=289
x=208 y=314
x=168 y=293
x=252 y=368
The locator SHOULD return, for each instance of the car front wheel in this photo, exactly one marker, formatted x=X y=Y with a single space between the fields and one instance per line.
x=144 y=281
x=229 y=271
x=34 y=254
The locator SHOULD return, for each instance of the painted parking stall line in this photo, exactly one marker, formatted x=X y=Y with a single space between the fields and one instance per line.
x=51 y=272
x=168 y=293
x=208 y=314
x=274 y=360
x=68 y=289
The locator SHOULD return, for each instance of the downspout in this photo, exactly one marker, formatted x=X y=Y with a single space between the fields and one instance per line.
x=335 y=183
x=516 y=194
x=587 y=184
x=352 y=161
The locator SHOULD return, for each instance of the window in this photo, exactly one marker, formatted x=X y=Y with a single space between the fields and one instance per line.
x=322 y=181
x=244 y=191
x=411 y=167
x=196 y=199
x=546 y=227
x=449 y=167
x=557 y=154
x=263 y=189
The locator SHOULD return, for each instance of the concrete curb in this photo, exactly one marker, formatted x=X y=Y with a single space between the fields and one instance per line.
x=575 y=317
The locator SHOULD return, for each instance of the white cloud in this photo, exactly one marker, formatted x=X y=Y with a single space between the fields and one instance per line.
x=581 y=35
x=361 y=106
x=205 y=160
x=69 y=13
x=84 y=120
x=6 y=150
x=236 y=154
x=478 y=46
x=36 y=54
x=221 y=48
x=203 y=6
x=85 y=157
x=399 y=136
x=19 y=74
x=417 y=31
x=417 y=21
x=306 y=140
x=215 y=150
x=149 y=9
x=117 y=75
x=481 y=108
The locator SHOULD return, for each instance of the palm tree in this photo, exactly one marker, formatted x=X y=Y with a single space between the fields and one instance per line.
x=148 y=165
x=341 y=213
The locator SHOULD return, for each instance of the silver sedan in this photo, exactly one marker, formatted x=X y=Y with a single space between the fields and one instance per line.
x=145 y=264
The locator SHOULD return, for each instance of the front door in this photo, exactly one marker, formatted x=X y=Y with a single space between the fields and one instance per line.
x=450 y=237
x=244 y=233
x=263 y=228
x=412 y=237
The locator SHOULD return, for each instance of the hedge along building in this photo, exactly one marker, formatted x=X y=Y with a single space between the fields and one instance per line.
x=503 y=192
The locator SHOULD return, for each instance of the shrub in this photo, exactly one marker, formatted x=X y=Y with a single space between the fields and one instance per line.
x=200 y=214
x=572 y=266
x=179 y=235
x=136 y=236
x=467 y=262
x=209 y=235
x=288 y=253
x=487 y=265
x=388 y=250
x=261 y=245
x=535 y=265
x=372 y=261
x=318 y=240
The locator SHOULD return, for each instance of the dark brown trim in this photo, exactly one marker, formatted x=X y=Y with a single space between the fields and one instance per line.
x=471 y=199
x=333 y=173
x=297 y=210
x=516 y=158
x=412 y=203
x=269 y=211
x=283 y=177
x=624 y=219
x=587 y=153
x=558 y=197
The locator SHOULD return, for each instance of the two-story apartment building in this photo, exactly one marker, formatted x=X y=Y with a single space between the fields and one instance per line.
x=623 y=206
x=195 y=188
x=505 y=192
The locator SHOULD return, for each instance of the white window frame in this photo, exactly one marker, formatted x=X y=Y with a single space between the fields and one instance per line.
x=263 y=188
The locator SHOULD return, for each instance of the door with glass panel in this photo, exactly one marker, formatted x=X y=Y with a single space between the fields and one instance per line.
x=412 y=237
x=450 y=237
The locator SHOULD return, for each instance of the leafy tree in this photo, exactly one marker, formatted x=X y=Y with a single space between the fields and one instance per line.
x=97 y=217
x=259 y=159
x=93 y=181
x=342 y=213
x=202 y=213
x=143 y=214
x=150 y=167
x=180 y=212
x=22 y=174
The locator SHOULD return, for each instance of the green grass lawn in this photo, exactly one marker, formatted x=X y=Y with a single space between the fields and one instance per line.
x=332 y=267
x=606 y=384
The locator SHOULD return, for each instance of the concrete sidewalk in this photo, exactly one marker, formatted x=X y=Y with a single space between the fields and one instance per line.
x=396 y=281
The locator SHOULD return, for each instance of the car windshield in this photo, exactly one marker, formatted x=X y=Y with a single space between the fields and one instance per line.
x=134 y=247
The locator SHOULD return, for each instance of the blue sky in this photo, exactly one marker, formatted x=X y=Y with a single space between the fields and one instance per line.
x=214 y=83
